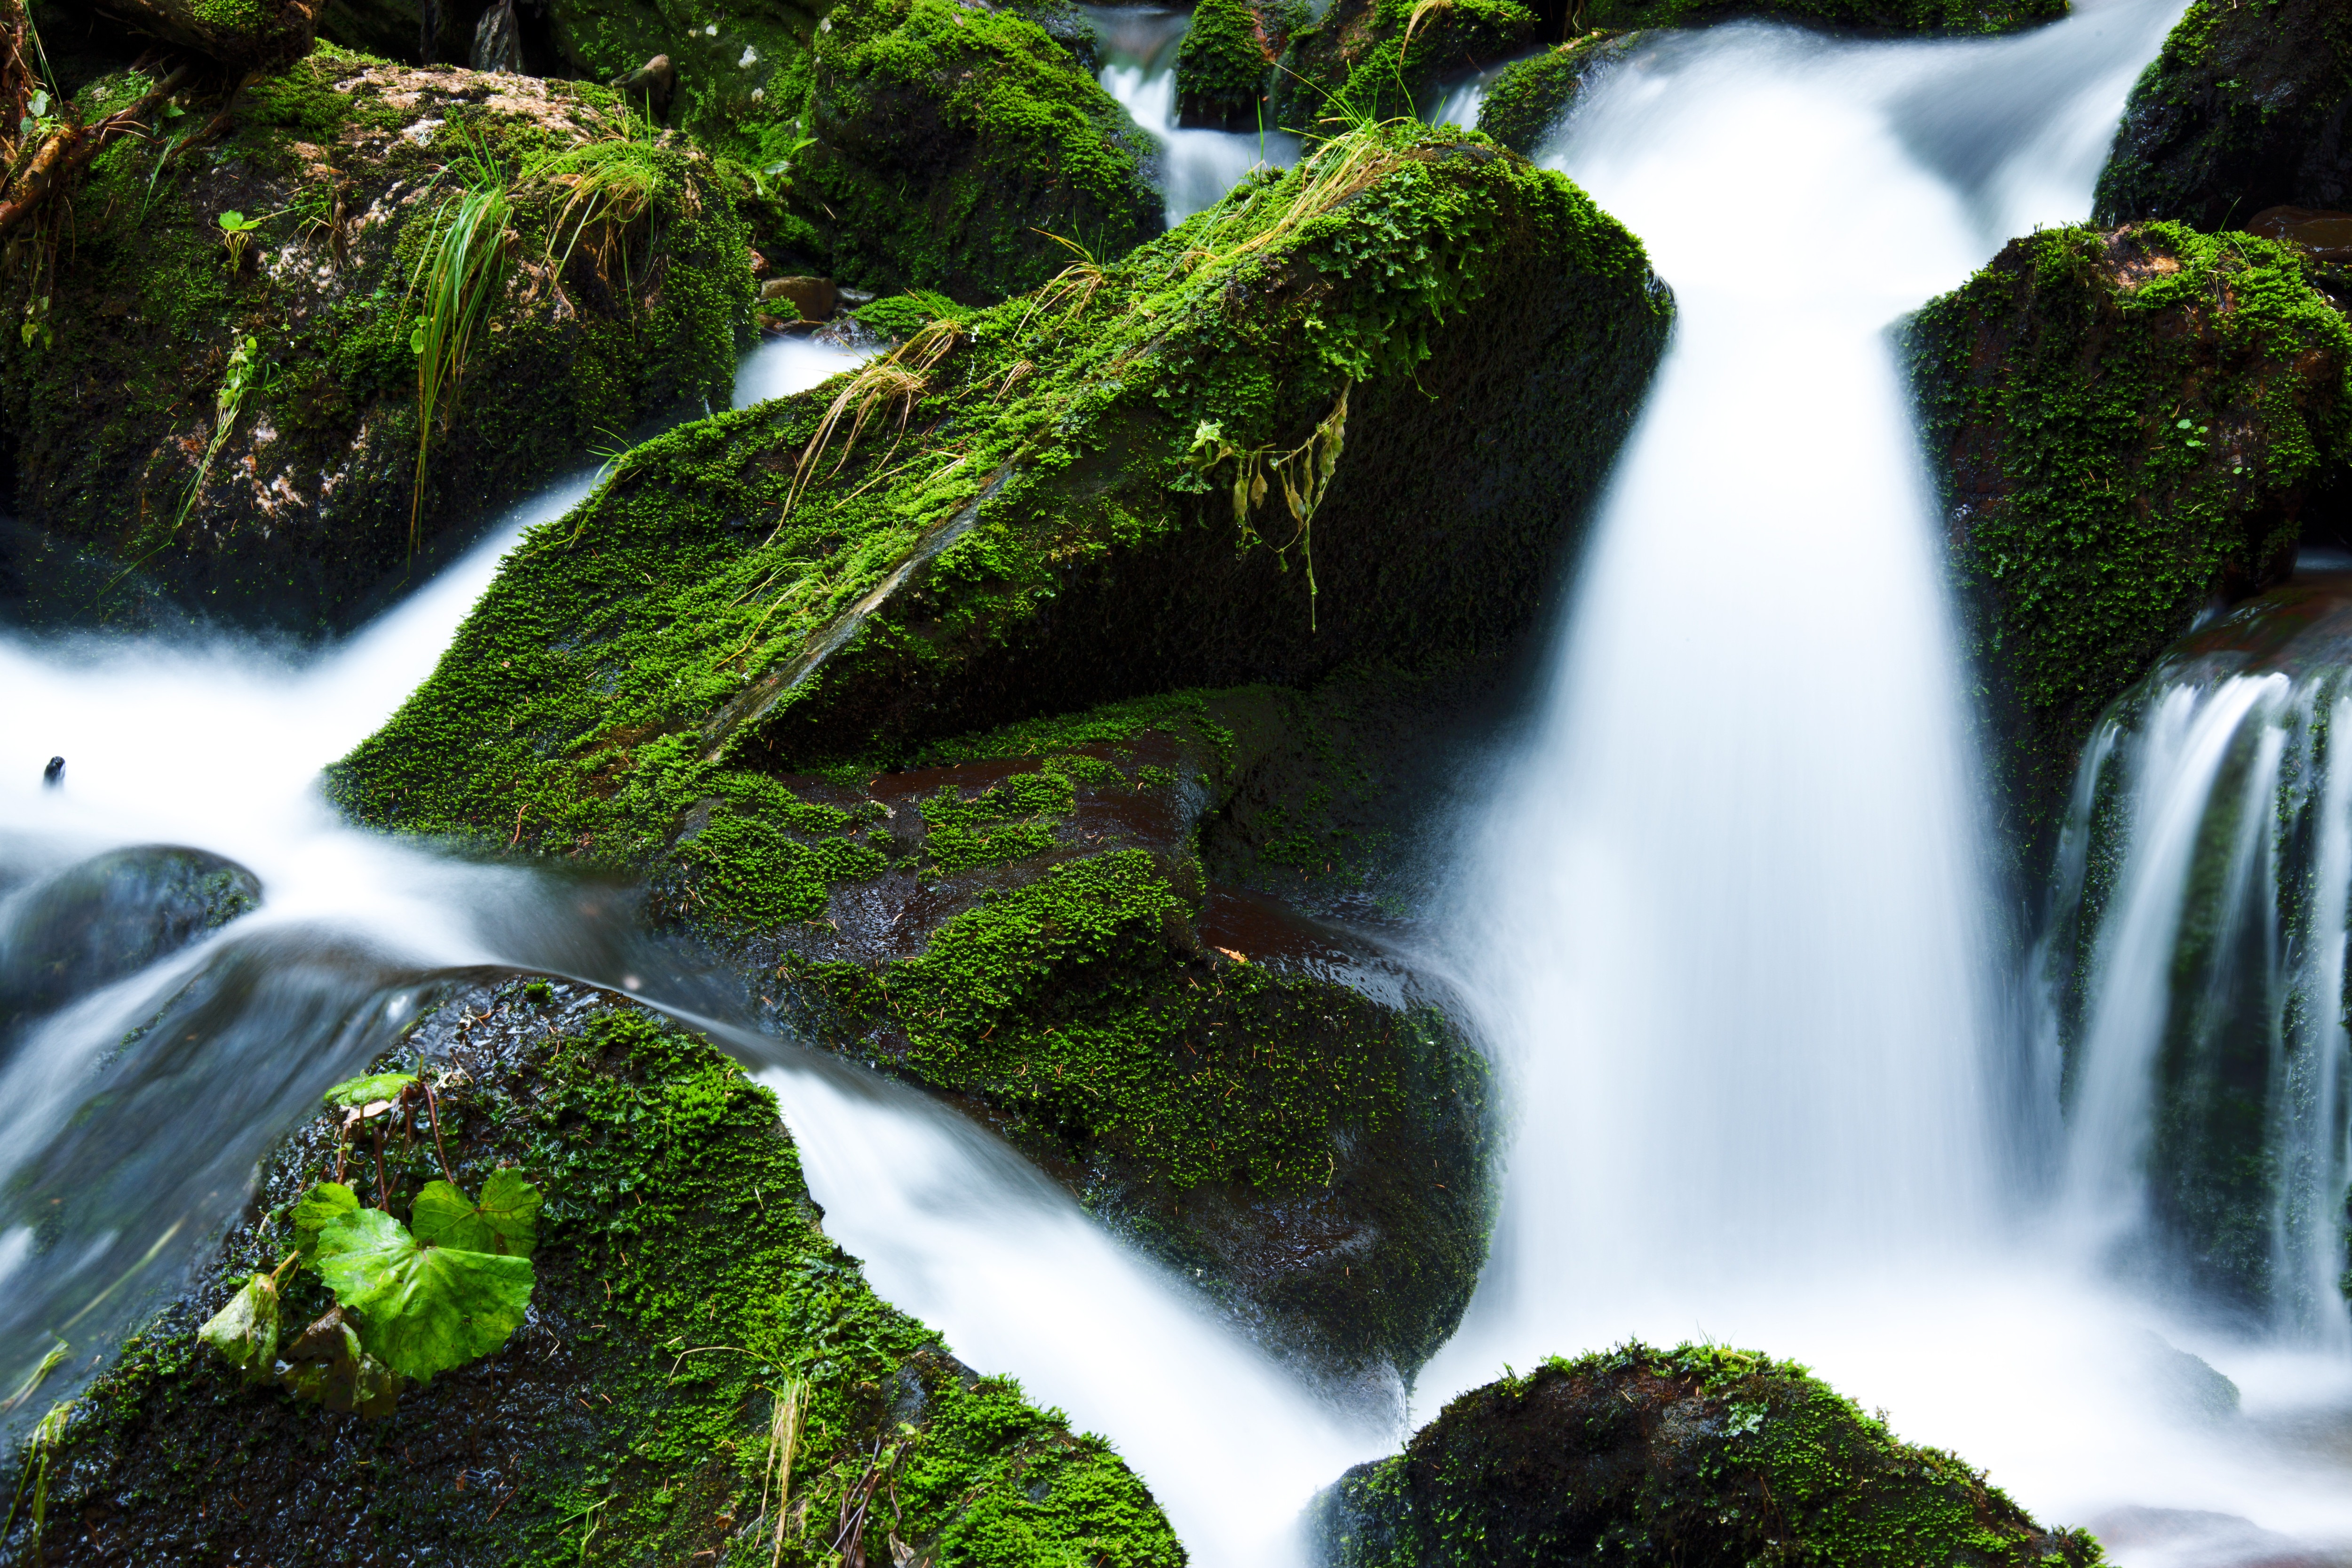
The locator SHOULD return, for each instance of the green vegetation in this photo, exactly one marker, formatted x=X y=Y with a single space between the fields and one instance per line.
x=306 y=512
x=705 y=1373
x=1701 y=1455
x=2124 y=427
x=1374 y=59
x=728 y=606
x=1528 y=100
x=2241 y=110
x=949 y=145
x=1224 y=68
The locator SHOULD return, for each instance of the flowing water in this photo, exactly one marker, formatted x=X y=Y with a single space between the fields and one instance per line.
x=1726 y=919
x=1138 y=47
x=1723 y=922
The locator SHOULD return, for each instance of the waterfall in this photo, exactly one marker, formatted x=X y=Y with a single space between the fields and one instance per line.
x=2194 y=970
x=1138 y=47
x=1726 y=920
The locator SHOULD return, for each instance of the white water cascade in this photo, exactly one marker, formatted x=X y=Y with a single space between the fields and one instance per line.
x=1197 y=167
x=1725 y=920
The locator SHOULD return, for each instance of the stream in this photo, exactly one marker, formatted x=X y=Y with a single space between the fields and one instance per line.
x=1722 y=910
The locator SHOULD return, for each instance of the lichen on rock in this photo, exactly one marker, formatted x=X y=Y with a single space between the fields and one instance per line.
x=2123 y=425
x=1701 y=1455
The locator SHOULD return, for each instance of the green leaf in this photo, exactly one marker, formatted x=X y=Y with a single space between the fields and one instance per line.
x=425 y=1309
x=506 y=1221
x=246 y=1331
x=417 y=338
x=360 y=1091
x=232 y=221
x=322 y=1203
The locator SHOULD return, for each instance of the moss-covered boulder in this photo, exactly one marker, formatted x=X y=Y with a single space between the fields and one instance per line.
x=683 y=1283
x=1530 y=99
x=246 y=35
x=1375 y=58
x=1699 y=1456
x=957 y=149
x=740 y=75
x=212 y=393
x=2248 y=107
x=1225 y=67
x=2123 y=425
x=1886 y=16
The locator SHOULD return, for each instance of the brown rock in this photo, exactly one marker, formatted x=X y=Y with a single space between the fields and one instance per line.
x=815 y=298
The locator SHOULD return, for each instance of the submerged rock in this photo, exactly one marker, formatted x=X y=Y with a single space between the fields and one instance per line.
x=214 y=397
x=2123 y=425
x=2248 y=107
x=1698 y=1455
x=683 y=1284
x=94 y=924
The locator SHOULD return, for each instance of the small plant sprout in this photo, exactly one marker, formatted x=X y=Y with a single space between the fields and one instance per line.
x=457 y=274
x=38 y=1453
x=1304 y=473
x=410 y=1300
x=776 y=1467
x=236 y=233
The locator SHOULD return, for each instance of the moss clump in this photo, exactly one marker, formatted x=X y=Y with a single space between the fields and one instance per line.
x=1528 y=101
x=1700 y=1456
x=130 y=308
x=1054 y=542
x=741 y=72
x=1225 y=67
x=1863 y=16
x=951 y=143
x=2242 y=110
x=683 y=1280
x=2123 y=425
x=1358 y=62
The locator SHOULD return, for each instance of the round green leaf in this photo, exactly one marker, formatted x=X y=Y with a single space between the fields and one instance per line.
x=356 y=1091
x=424 y=1309
x=322 y=1203
x=506 y=1221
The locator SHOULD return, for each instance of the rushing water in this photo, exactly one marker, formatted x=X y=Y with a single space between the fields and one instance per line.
x=1138 y=47
x=1723 y=923
x=1726 y=919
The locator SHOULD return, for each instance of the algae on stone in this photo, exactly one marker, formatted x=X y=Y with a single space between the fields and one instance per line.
x=684 y=1284
x=2123 y=427
x=2248 y=106
x=1699 y=1456
x=131 y=304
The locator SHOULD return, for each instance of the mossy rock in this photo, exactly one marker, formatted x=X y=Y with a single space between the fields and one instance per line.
x=675 y=1219
x=1868 y=16
x=1699 y=1456
x=308 y=516
x=1225 y=67
x=741 y=72
x=2248 y=106
x=1357 y=62
x=108 y=917
x=2123 y=427
x=1528 y=101
x=1057 y=527
x=956 y=148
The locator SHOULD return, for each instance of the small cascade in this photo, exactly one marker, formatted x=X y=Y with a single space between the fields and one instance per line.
x=2194 y=970
x=1138 y=46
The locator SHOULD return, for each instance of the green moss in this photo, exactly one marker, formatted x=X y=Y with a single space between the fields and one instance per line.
x=1700 y=1455
x=1868 y=16
x=2242 y=110
x=305 y=517
x=682 y=1280
x=1224 y=65
x=1359 y=63
x=951 y=143
x=1528 y=101
x=2123 y=428
x=681 y=624
x=742 y=73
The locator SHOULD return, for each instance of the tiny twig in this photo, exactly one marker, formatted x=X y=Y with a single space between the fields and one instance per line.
x=433 y=1113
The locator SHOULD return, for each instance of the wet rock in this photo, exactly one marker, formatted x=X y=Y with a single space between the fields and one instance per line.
x=498 y=40
x=2326 y=235
x=952 y=144
x=225 y=417
x=94 y=924
x=249 y=34
x=651 y=85
x=675 y=1217
x=2124 y=427
x=53 y=772
x=1879 y=17
x=1530 y=98
x=2248 y=107
x=816 y=298
x=1225 y=67
x=1698 y=1455
x=2187 y=1385
x=1375 y=57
